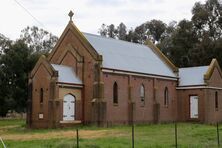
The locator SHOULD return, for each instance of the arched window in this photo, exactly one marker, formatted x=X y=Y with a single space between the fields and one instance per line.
x=166 y=97
x=41 y=95
x=142 y=93
x=216 y=100
x=115 y=93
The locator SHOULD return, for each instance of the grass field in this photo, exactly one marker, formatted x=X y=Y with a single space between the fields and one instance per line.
x=15 y=135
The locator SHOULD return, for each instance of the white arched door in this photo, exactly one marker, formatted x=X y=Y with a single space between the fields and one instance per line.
x=69 y=107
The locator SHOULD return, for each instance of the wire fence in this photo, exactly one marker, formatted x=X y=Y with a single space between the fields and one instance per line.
x=135 y=139
x=169 y=135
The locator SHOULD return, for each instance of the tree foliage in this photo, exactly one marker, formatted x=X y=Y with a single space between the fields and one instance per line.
x=189 y=42
x=38 y=40
x=16 y=61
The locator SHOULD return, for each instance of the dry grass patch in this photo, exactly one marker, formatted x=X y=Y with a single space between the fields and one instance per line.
x=89 y=134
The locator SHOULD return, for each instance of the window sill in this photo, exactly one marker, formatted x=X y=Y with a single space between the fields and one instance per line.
x=166 y=106
x=115 y=104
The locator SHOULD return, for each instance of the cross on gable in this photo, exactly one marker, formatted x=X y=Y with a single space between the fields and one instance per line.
x=71 y=14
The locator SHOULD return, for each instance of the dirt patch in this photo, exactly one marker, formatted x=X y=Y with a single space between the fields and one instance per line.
x=58 y=134
x=5 y=128
x=8 y=127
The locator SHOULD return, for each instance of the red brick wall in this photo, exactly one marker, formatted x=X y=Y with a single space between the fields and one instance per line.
x=207 y=111
x=167 y=113
x=184 y=104
x=213 y=115
x=69 y=60
x=84 y=72
x=116 y=113
x=40 y=80
x=142 y=113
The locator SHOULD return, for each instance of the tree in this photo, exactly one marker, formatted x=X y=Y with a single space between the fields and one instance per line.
x=4 y=42
x=16 y=61
x=155 y=30
x=183 y=40
x=14 y=70
x=208 y=18
x=166 y=42
x=140 y=35
x=103 y=30
x=121 y=31
x=38 y=40
x=111 y=31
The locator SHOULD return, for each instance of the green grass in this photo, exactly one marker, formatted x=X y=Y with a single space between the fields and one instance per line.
x=11 y=122
x=190 y=135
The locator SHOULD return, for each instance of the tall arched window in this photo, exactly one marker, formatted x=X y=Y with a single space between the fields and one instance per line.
x=115 y=93
x=166 y=97
x=216 y=100
x=142 y=93
x=41 y=95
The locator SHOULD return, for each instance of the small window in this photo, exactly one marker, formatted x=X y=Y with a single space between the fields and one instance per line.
x=142 y=94
x=166 y=97
x=216 y=100
x=41 y=95
x=115 y=93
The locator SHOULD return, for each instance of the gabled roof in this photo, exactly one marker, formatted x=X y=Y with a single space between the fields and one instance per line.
x=43 y=61
x=66 y=74
x=191 y=76
x=213 y=64
x=122 y=55
x=75 y=31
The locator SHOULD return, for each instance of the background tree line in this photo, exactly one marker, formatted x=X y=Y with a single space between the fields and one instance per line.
x=17 y=59
x=187 y=43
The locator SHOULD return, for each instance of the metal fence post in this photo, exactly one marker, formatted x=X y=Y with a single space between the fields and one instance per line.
x=77 y=138
x=132 y=135
x=218 y=135
x=176 y=134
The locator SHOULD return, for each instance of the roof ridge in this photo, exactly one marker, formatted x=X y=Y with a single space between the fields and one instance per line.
x=194 y=67
x=118 y=40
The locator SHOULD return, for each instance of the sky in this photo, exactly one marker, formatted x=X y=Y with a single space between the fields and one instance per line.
x=89 y=15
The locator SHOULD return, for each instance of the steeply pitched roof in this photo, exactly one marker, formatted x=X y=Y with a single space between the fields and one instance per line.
x=213 y=64
x=122 y=55
x=66 y=74
x=192 y=75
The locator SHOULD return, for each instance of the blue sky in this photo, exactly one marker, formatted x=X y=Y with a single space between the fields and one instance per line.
x=89 y=14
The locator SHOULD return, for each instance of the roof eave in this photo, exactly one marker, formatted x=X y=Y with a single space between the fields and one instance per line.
x=162 y=56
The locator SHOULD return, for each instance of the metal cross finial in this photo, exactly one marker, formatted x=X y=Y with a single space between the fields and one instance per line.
x=71 y=15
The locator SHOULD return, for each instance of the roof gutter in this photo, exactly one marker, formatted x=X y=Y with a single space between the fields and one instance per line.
x=71 y=85
x=124 y=72
x=198 y=87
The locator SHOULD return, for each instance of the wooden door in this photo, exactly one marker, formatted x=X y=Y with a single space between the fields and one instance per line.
x=69 y=107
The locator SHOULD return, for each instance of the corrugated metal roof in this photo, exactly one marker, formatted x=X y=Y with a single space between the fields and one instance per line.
x=192 y=75
x=66 y=74
x=128 y=56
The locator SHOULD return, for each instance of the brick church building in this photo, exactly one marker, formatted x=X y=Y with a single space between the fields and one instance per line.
x=89 y=79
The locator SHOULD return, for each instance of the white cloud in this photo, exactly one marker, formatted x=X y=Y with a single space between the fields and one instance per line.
x=89 y=14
